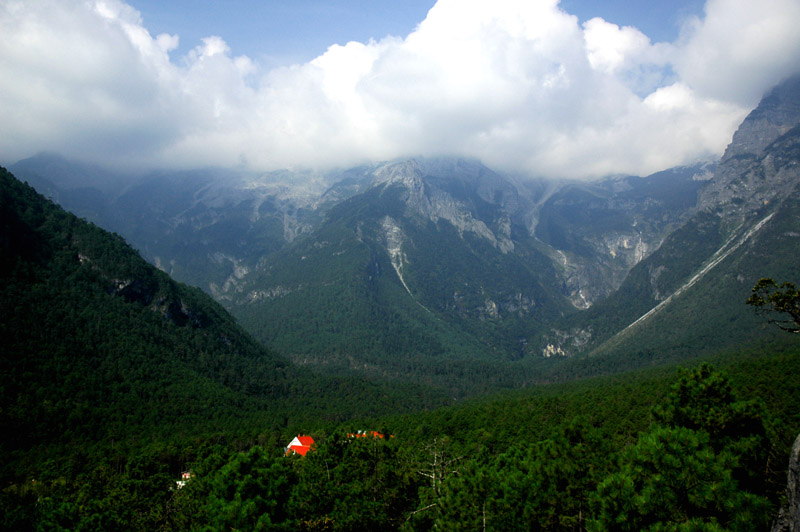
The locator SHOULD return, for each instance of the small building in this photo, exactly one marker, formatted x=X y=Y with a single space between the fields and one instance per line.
x=301 y=444
x=185 y=477
x=366 y=434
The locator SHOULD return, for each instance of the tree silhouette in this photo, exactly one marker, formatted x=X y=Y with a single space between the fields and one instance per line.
x=784 y=300
x=770 y=298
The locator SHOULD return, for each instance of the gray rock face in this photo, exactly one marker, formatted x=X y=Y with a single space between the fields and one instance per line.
x=593 y=232
x=599 y=231
x=434 y=204
x=591 y=276
x=760 y=164
x=776 y=114
x=788 y=519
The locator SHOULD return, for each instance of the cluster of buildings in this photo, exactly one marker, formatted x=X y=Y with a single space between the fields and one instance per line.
x=301 y=444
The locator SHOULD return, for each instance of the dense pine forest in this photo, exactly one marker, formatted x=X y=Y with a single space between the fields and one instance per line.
x=116 y=380
x=658 y=450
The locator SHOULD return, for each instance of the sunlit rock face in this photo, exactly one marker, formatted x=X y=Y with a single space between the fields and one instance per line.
x=427 y=196
x=761 y=163
x=776 y=114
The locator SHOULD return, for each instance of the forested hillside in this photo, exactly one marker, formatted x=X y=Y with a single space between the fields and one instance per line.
x=103 y=353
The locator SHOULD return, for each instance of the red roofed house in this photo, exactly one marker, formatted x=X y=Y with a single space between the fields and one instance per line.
x=300 y=445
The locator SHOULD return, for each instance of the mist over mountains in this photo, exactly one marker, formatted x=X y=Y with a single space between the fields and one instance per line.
x=399 y=268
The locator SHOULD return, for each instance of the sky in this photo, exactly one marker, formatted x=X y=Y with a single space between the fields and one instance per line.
x=570 y=89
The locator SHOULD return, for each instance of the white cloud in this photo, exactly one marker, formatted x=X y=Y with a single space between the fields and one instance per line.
x=517 y=83
x=740 y=49
x=611 y=48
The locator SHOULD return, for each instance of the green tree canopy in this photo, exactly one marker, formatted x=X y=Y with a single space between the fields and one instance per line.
x=782 y=301
x=701 y=467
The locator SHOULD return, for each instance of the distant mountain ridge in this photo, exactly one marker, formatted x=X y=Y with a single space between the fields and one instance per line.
x=372 y=241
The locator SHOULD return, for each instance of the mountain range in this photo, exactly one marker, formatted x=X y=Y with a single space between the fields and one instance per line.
x=446 y=273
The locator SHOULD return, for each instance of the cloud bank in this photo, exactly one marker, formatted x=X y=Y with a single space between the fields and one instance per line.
x=519 y=84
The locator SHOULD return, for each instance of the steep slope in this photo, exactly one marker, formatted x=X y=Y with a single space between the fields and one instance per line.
x=599 y=231
x=98 y=344
x=707 y=313
x=371 y=290
x=688 y=297
x=758 y=166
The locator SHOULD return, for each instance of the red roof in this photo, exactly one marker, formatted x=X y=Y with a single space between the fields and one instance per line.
x=307 y=441
x=301 y=444
x=302 y=450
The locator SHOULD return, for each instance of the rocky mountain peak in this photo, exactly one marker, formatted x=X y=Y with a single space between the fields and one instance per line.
x=424 y=197
x=752 y=172
x=776 y=114
x=406 y=173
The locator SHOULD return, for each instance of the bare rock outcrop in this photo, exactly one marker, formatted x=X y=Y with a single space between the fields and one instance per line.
x=760 y=163
x=788 y=519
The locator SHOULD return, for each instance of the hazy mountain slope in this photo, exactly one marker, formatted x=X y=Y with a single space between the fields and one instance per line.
x=371 y=291
x=204 y=227
x=436 y=260
x=711 y=314
x=211 y=227
x=747 y=227
x=426 y=269
x=648 y=283
x=601 y=230
x=83 y=189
